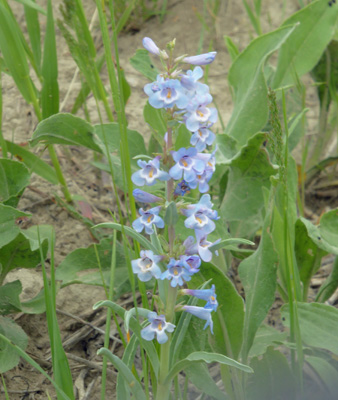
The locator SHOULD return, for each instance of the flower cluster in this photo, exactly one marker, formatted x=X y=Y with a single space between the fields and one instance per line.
x=186 y=101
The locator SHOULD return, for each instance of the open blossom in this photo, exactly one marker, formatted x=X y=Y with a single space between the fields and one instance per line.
x=146 y=267
x=191 y=263
x=201 y=216
x=204 y=294
x=199 y=115
x=201 y=246
x=176 y=273
x=166 y=93
x=189 y=81
x=201 y=138
x=158 y=326
x=147 y=220
x=201 y=59
x=149 y=173
x=187 y=165
x=203 y=313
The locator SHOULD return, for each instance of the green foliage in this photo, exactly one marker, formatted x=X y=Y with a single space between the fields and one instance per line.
x=142 y=63
x=266 y=337
x=246 y=77
x=9 y=358
x=304 y=47
x=14 y=178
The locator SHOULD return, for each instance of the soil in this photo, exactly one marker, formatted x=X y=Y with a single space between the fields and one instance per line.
x=75 y=302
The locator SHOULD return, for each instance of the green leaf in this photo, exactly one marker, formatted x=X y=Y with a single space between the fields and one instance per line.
x=19 y=254
x=304 y=47
x=50 y=87
x=226 y=243
x=9 y=357
x=330 y=285
x=8 y=228
x=14 y=54
x=81 y=266
x=66 y=129
x=258 y=274
x=37 y=304
x=325 y=235
x=171 y=216
x=250 y=171
x=202 y=356
x=143 y=312
x=32 y=4
x=154 y=117
x=308 y=255
x=183 y=137
x=272 y=378
x=134 y=386
x=318 y=324
x=33 y=28
x=14 y=177
x=265 y=337
x=33 y=162
x=327 y=373
x=112 y=134
x=130 y=232
x=9 y=297
x=246 y=77
x=231 y=47
x=142 y=63
x=226 y=149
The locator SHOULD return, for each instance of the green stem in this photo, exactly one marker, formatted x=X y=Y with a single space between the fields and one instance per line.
x=59 y=174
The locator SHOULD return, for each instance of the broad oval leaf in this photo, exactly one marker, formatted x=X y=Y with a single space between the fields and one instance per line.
x=14 y=177
x=8 y=228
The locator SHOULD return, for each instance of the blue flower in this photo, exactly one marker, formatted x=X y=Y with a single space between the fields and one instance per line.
x=182 y=188
x=144 y=197
x=199 y=115
x=191 y=263
x=203 y=313
x=190 y=81
x=147 y=220
x=146 y=267
x=201 y=246
x=149 y=173
x=166 y=93
x=186 y=164
x=201 y=59
x=201 y=216
x=202 y=181
x=150 y=45
x=176 y=273
x=201 y=138
x=158 y=326
x=205 y=294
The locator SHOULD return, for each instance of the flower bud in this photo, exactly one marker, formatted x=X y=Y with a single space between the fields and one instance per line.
x=145 y=197
x=150 y=45
x=202 y=59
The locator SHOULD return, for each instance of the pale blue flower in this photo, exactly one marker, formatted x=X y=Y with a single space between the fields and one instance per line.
x=201 y=246
x=182 y=188
x=166 y=93
x=190 y=82
x=150 y=45
x=147 y=220
x=144 y=197
x=201 y=216
x=201 y=138
x=201 y=59
x=187 y=165
x=176 y=273
x=208 y=295
x=146 y=267
x=158 y=326
x=200 y=116
x=191 y=263
x=203 y=313
x=149 y=173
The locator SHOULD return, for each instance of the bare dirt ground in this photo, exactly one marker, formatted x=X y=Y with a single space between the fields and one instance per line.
x=181 y=22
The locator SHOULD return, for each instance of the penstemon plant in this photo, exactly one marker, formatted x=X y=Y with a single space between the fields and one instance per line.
x=170 y=259
x=185 y=101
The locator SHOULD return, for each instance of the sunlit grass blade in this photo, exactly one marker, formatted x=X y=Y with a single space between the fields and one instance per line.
x=61 y=369
x=33 y=28
x=32 y=4
x=15 y=57
x=50 y=88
